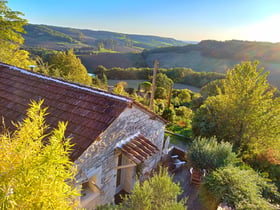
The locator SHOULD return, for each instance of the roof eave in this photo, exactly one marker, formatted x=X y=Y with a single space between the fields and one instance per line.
x=151 y=113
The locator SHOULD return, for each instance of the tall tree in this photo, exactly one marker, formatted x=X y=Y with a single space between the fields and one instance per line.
x=163 y=81
x=245 y=112
x=212 y=88
x=11 y=27
x=70 y=67
x=35 y=169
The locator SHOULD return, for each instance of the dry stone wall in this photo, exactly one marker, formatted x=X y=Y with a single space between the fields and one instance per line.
x=103 y=153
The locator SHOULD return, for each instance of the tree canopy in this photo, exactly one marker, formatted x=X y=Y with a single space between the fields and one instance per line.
x=68 y=66
x=239 y=188
x=178 y=75
x=35 y=169
x=120 y=88
x=11 y=27
x=163 y=81
x=245 y=112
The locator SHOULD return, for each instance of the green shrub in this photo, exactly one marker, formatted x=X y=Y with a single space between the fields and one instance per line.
x=160 y=93
x=184 y=112
x=241 y=189
x=169 y=114
x=209 y=154
x=156 y=193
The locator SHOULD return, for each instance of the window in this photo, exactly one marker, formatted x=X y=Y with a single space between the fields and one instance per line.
x=119 y=171
x=93 y=184
x=92 y=188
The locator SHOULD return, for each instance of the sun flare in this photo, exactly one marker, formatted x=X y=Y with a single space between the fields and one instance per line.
x=265 y=30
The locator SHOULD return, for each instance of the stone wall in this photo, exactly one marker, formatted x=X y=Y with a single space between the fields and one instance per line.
x=102 y=152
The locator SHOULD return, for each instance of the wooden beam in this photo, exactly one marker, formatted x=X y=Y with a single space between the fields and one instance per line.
x=126 y=166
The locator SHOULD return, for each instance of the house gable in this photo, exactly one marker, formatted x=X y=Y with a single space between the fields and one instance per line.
x=132 y=122
x=88 y=111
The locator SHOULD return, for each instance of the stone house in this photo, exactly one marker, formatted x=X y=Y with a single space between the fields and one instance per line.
x=114 y=137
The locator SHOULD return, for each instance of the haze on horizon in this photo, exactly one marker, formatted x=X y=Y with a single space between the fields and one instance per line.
x=253 y=20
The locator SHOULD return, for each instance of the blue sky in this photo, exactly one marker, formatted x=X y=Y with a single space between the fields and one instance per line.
x=255 y=20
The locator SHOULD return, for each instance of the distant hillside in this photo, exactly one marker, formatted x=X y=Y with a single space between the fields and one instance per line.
x=208 y=56
x=218 y=56
x=125 y=50
x=88 y=41
x=110 y=60
x=232 y=50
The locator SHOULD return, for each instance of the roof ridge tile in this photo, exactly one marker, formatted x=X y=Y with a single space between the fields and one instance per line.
x=75 y=85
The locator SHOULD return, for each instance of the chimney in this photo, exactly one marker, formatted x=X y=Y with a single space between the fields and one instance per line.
x=32 y=67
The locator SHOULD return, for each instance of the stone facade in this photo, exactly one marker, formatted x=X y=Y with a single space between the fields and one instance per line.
x=98 y=124
x=100 y=160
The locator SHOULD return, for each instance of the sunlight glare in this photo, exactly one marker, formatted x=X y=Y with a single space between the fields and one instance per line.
x=266 y=30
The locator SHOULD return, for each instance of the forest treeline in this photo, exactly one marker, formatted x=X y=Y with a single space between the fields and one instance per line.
x=232 y=49
x=178 y=75
x=181 y=75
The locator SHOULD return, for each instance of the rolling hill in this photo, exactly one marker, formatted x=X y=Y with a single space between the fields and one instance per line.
x=125 y=50
x=208 y=56
x=216 y=56
x=88 y=41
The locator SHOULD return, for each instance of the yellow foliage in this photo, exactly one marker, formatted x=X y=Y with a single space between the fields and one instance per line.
x=36 y=172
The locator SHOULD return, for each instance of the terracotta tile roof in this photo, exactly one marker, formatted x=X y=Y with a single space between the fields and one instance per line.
x=137 y=148
x=88 y=111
